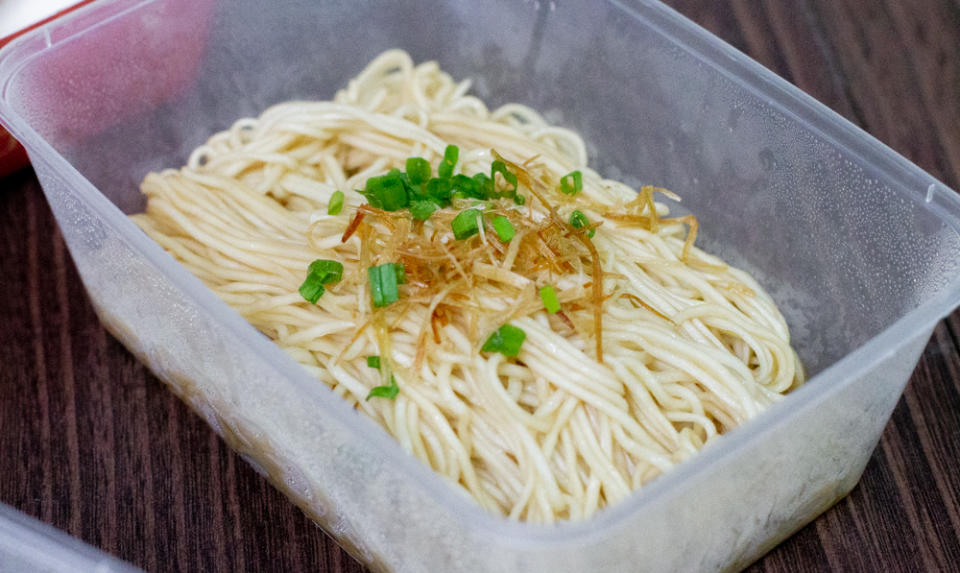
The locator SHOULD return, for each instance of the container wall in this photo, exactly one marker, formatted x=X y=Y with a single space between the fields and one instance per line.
x=30 y=546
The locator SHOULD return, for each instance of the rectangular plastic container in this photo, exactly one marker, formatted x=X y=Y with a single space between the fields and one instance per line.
x=30 y=546
x=858 y=246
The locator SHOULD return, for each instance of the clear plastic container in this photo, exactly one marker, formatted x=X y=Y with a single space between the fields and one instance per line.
x=30 y=546
x=858 y=246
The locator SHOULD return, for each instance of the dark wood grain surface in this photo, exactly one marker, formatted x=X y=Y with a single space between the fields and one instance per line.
x=92 y=443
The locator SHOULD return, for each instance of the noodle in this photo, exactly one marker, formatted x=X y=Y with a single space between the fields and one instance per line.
x=659 y=347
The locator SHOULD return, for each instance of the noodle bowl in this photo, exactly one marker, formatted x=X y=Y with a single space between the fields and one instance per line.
x=657 y=350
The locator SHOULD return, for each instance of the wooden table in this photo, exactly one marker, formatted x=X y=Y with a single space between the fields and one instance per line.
x=92 y=443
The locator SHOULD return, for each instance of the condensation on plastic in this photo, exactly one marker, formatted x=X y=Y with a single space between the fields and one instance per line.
x=859 y=247
x=30 y=546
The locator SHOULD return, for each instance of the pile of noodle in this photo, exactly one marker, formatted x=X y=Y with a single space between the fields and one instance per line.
x=688 y=346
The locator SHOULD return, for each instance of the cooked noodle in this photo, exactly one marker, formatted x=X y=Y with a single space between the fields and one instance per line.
x=688 y=347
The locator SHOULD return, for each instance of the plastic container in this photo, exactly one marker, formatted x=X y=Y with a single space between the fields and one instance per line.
x=858 y=246
x=16 y=18
x=29 y=546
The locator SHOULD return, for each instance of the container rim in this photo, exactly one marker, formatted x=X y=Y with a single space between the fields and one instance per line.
x=688 y=37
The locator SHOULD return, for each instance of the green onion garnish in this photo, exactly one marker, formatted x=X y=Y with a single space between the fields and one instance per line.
x=416 y=190
x=421 y=210
x=484 y=187
x=394 y=195
x=464 y=185
x=336 y=203
x=450 y=156
x=506 y=340
x=580 y=221
x=504 y=229
x=418 y=170
x=439 y=190
x=571 y=183
x=319 y=273
x=501 y=168
x=329 y=271
x=549 y=298
x=387 y=192
x=401 y=273
x=389 y=392
x=466 y=224
x=312 y=289
x=383 y=283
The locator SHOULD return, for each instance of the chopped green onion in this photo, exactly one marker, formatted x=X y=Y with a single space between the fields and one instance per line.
x=450 y=156
x=418 y=170
x=416 y=190
x=389 y=392
x=421 y=210
x=580 y=221
x=463 y=185
x=401 y=273
x=312 y=288
x=466 y=224
x=394 y=196
x=571 y=183
x=328 y=271
x=336 y=203
x=501 y=168
x=387 y=192
x=319 y=273
x=506 y=340
x=549 y=298
x=383 y=284
x=439 y=190
x=504 y=229
x=484 y=187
